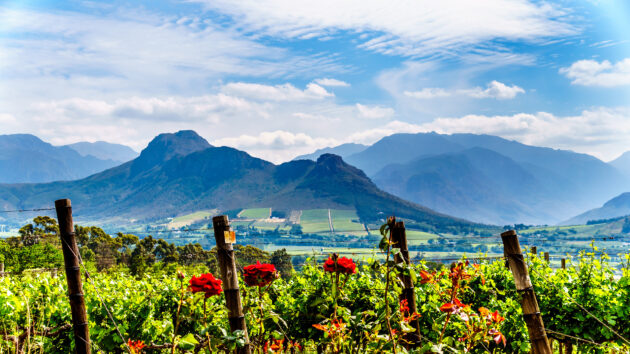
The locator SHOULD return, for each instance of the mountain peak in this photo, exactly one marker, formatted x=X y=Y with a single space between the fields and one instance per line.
x=330 y=160
x=168 y=145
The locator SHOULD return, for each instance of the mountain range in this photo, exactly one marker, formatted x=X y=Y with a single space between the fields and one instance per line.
x=180 y=173
x=25 y=158
x=490 y=179
x=105 y=151
x=614 y=208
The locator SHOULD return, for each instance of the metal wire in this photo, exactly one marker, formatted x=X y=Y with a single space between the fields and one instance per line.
x=25 y=210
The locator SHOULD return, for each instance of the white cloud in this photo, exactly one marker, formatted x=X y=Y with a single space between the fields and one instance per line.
x=374 y=112
x=6 y=118
x=494 y=89
x=594 y=73
x=277 y=146
x=331 y=82
x=428 y=93
x=276 y=140
x=603 y=132
x=410 y=28
x=284 y=92
x=173 y=108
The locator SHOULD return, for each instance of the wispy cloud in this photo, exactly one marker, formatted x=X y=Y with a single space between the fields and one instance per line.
x=408 y=28
x=594 y=73
x=374 y=112
x=494 y=89
x=332 y=82
x=134 y=51
x=284 y=92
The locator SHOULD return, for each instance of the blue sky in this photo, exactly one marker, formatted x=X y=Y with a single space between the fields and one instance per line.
x=280 y=78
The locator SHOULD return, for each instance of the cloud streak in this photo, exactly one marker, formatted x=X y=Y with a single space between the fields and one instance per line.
x=407 y=28
x=494 y=89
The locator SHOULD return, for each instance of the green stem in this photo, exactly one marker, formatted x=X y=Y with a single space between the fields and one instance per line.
x=388 y=314
x=205 y=324
x=262 y=315
x=179 y=307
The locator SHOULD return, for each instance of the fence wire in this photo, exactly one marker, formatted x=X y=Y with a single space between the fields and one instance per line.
x=25 y=210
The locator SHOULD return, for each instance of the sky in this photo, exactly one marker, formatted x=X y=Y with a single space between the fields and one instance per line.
x=280 y=78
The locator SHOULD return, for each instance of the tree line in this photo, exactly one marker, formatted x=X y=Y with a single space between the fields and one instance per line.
x=38 y=246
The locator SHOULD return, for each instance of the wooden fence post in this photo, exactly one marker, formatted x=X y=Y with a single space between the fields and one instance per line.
x=547 y=257
x=227 y=265
x=399 y=237
x=73 y=276
x=534 y=249
x=529 y=304
x=563 y=263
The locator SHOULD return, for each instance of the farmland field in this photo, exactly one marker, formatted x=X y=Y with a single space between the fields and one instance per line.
x=256 y=213
x=315 y=220
x=186 y=220
x=346 y=221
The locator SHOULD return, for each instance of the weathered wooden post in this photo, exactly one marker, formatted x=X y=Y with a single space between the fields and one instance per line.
x=73 y=276
x=529 y=304
x=399 y=237
x=563 y=263
x=534 y=249
x=227 y=265
x=546 y=257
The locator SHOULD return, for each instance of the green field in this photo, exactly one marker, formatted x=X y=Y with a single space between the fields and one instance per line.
x=270 y=225
x=188 y=219
x=255 y=213
x=346 y=221
x=315 y=220
x=415 y=237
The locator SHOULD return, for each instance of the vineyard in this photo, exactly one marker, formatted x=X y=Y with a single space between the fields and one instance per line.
x=337 y=306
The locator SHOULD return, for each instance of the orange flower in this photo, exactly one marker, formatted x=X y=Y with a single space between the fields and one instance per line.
x=497 y=318
x=135 y=346
x=426 y=277
x=404 y=306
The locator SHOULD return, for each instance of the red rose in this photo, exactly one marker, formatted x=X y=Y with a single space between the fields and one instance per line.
x=259 y=274
x=206 y=283
x=344 y=265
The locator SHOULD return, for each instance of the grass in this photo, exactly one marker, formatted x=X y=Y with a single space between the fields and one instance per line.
x=188 y=219
x=255 y=213
x=270 y=225
x=346 y=220
x=314 y=215
x=315 y=220
x=415 y=237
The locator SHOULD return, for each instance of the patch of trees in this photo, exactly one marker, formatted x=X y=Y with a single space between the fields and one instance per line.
x=38 y=246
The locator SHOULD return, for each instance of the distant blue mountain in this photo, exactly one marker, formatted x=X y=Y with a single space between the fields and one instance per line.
x=343 y=150
x=622 y=163
x=616 y=207
x=105 y=151
x=25 y=158
x=516 y=183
